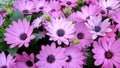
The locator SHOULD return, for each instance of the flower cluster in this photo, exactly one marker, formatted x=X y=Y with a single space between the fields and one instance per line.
x=60 y=34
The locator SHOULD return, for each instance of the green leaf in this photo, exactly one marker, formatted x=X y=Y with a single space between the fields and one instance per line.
x=7 y=22
x=28 y=17
x=13 y=51
x=3 y=47
x=1 y=40
x=16 y=15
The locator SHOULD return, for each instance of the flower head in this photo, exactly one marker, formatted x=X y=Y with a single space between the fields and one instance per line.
x=25 y=61
x=19 y=33
x=72 y=3
x=107 y=53
x=51 y=57
x=98 y=28
x=75 y=58
x=60 y=30
x=6 y=62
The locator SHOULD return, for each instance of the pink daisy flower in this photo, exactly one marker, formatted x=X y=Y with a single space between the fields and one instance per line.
x=83 y=35
x=109 y=6
x=72 y=3
x=25 y=60
x=75 y=58
x=51 y=57
x=19 y=33
x=98 y=28
x=86 y=12
x=91 y=1
x=3 y=13
x=24 y=6
x=6 y=62
x=37 y=22
x=107 y=53
x=60 y=30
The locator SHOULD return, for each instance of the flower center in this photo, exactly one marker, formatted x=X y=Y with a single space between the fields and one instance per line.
x=60 y=32
x=80 y=35
x=41 y=28
x=41 y=8
x=69 y=59
x=53 y=10
x=69 y=3
x=103 y=12
x=50 y=59
x=108 y=8
x=25 y=11
x=97 y=28
x=23 y=36
x=108 y=55
x=29 y=63
x=4 y=67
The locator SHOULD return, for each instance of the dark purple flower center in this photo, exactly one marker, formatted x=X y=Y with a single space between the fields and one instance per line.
x=41 y=8
x=108 y=55
x=23 y=36
x=4 y=67
x=69 y=3
x=69 y=59
x=50 y=59
x=80 y=35
x=103 y=12
x=97 y=28
x=60 y=32
x=25 y=11
x=53 y=10
x=108 y=8
x=29 y=63
x=41 y=28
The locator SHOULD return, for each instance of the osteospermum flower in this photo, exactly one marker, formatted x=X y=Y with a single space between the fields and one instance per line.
x=72 y=3
x=6 y=62
x=109 y=6
x=60 y=30
x=19 y=33
x=83 y=35
x=75 y=58
x=24 y=6
x=98 y=28
x=51 y=57
x=107 y=53
x=86 y=12
x=25 y=60
x=37 y=22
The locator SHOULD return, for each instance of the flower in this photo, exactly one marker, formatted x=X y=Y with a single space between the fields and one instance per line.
x=75 y=58
x=109 y=6
x=97 y=27
x=37 y=22
x=25 y=61
x=19 y=33
x=60 y=30
x=91 y=1
x=24 y=6
x=51 y=57
x=72 y=3
x=83 y=35
x=107 y=53
x=6 y=62
x=87 y=11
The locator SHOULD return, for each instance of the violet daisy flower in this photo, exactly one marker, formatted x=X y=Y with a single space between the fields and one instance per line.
x=72 y=3
x=109 y=6
x=25 y=60
x=6 y=62
x=60 y=30
x=86 y=12
x=98 y=28
x=19 y=33
x=75 y=58
x=24 y=6
x=51 y=57
x=107 y=53
x=83 y=35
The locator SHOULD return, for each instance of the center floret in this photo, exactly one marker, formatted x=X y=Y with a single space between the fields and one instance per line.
x=108 y=8
x=29 y=63
x=60 y=32
x=97 y=28
x=50 y=59
x=69 y=3
x=69 y=59
x=108 y=55
x=4 y=67
x=80 y=35
x=23 y=36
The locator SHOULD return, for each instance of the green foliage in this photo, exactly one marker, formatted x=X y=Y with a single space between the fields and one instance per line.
x=12 y=51
x=28 y=17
